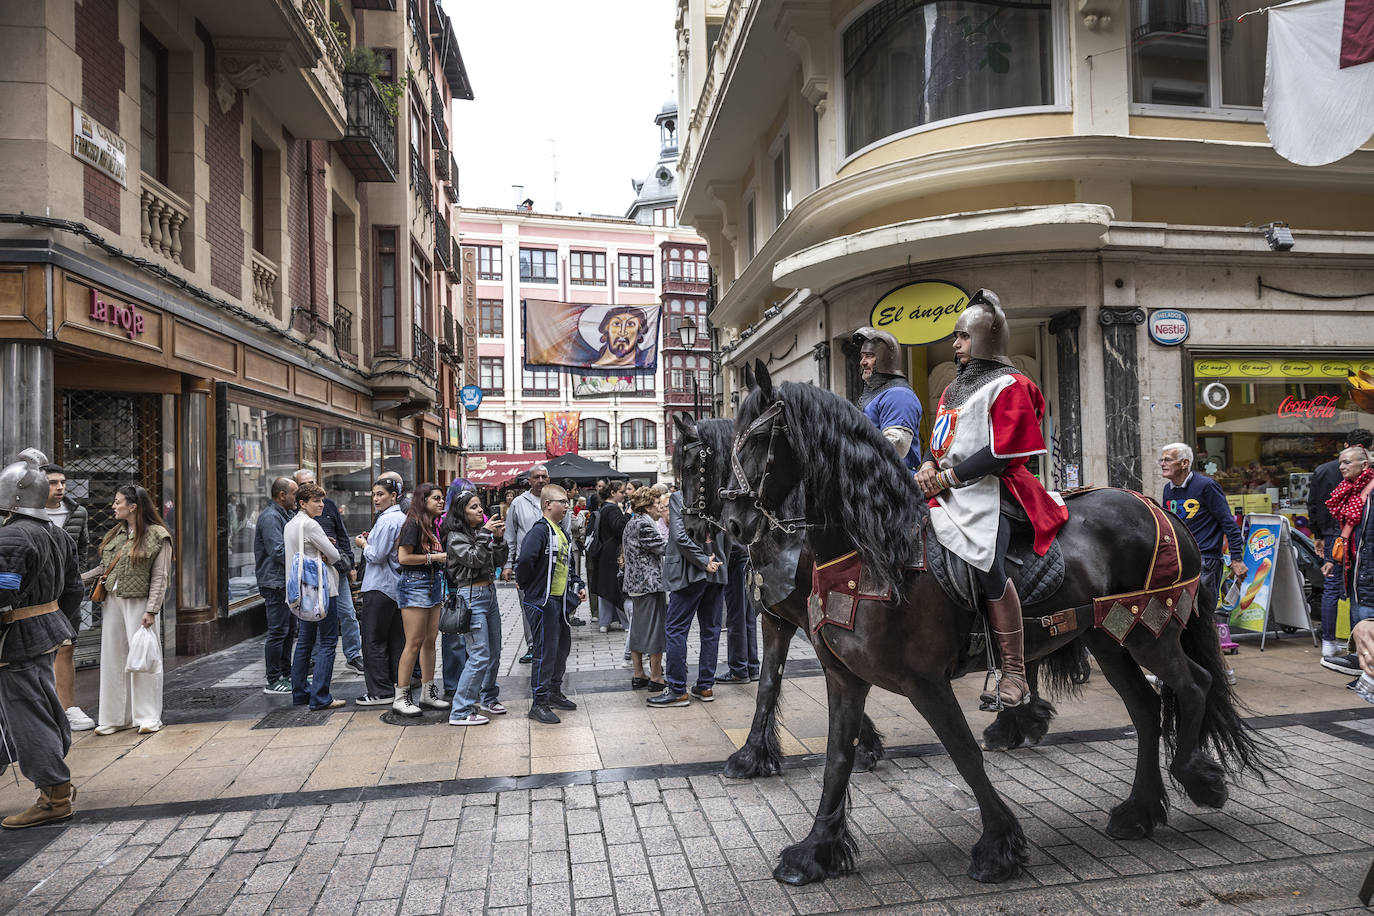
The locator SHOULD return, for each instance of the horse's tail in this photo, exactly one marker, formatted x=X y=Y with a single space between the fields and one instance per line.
x=1238 y=746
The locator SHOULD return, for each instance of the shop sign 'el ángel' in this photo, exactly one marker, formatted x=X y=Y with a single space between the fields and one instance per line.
x=920 y=313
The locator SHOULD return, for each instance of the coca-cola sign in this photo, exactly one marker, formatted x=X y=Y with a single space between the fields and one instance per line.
x=1321 y=407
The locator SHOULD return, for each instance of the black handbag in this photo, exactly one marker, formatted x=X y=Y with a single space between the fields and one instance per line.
x=456 y=616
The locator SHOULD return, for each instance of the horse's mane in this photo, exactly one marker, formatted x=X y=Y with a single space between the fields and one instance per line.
x=862 y=484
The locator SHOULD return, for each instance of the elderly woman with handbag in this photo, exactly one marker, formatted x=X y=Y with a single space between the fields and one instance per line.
x=476 y=549
x=135 y=564
x=644 y=547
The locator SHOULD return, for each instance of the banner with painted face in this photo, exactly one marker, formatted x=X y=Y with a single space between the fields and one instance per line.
x=583 y=336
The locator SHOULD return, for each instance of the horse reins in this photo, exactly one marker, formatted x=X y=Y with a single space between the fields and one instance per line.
x=742 y=488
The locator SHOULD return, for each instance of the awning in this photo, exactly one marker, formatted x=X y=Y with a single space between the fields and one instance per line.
x=582 y=471
x=1052 y=227
x=497 y=468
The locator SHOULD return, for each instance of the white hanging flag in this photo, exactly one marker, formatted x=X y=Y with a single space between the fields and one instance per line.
x=1319 y=79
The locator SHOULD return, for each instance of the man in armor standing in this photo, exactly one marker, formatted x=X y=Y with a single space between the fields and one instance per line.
x=40 y=602
x=887 y=399
x=986 y=426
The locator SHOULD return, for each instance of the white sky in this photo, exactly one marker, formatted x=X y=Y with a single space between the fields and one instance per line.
x=589 y=75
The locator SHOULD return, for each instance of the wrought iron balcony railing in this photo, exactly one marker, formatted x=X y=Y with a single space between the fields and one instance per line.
x=343 y=328
x=443 y=247
x=419 y=180
x=368 y=146
x=424 y=351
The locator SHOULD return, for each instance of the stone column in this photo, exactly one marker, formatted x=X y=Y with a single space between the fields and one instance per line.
x=1064 y=327
x=26 y=399
x=1121 y=389
x=195 y=614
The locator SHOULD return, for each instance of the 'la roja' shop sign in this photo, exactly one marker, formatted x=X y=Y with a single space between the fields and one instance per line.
x=920 y=313
x=1168 y=327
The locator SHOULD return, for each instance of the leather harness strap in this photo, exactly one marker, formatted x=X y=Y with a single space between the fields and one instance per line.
x=24 y=613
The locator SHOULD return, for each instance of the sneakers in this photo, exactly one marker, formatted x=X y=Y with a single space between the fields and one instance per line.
x=527 y=658
x=429 y=696
x=668 y=698
x=576 y=622
x=638 y=683
x=368 y=699
x=150 y=729
x=471 y=718
x=605 y=630
x=617 y=625
x=541 y=713
x=733 y=679
x=280 y=687
x=1330 y=647
x=404 y=704
x=355 y=664
x=1345 y=664
x=558 y=701
x=705 y=696
x=78 y=720
x=332 y=704
x=495 y=708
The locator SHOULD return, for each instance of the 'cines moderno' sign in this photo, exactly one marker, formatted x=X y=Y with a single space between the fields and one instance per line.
x=920 y=313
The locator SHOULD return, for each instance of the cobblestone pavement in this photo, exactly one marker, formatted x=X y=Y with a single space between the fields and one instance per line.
x=246 y=805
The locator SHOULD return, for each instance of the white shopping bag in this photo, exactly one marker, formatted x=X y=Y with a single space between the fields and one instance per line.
x=145 y=655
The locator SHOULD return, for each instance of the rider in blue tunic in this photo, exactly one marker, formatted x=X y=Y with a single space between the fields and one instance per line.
x=887 y=399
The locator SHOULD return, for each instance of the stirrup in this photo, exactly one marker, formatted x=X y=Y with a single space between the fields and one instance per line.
x=997 y=704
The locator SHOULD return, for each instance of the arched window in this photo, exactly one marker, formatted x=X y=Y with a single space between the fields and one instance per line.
x=486 y=436
x=638 y=434
x=532 y=435
x=593 y=435
x=913 y=62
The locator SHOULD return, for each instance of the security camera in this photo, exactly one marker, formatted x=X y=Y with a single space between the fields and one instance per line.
x=1278 y=236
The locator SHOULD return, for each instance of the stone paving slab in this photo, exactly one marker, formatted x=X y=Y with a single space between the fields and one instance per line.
x=699 y=843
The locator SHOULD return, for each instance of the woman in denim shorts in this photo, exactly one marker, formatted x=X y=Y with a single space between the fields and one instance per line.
x=421 y=559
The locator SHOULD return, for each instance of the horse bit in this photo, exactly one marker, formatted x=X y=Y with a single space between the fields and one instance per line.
x=743 y=490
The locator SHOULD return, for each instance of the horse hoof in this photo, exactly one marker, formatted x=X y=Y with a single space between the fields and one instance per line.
x=792 y=875
x=992 y=873
x=1203 y=779
x=865 y=760
x=750 y=763
x=1127 y=827
x=1131 y=820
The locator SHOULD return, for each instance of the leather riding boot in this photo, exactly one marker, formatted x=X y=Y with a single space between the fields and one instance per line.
x=1005 y=617
x=54 y=804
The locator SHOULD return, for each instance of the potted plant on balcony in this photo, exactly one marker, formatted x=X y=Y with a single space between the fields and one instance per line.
x=367 y=62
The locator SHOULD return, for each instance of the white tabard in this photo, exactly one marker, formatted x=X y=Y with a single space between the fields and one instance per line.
x=965 y=518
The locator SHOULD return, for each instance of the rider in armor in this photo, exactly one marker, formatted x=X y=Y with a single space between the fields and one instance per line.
x=40 y=602
x=887 y=399
x=986 y=426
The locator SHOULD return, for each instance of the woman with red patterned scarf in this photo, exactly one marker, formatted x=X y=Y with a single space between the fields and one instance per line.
x=1349 y=506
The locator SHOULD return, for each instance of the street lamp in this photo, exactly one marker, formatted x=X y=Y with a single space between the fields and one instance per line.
x=687 y=332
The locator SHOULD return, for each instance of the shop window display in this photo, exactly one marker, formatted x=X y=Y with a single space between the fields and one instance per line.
x=1263 y=425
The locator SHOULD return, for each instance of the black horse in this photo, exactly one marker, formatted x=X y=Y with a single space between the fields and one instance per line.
x=860 y=498
x=783 y=559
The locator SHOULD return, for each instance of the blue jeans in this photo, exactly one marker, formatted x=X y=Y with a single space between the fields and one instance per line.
x=453 y=655
x=1333 y=587
x=483 y=644
x=281 y=627
x=348 y=621
x=741 y=621
x=701 y=600
x=552 y=638
x=319 y=637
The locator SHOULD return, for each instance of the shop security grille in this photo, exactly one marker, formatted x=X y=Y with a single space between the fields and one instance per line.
x=106 y=441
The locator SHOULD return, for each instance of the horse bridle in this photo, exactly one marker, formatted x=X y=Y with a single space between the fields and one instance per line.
x=743 y=489
x=700 y=464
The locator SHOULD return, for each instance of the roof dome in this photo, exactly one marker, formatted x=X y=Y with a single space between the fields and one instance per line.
x=670 y=106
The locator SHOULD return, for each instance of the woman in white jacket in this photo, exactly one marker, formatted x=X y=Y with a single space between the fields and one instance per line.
x=305 y=536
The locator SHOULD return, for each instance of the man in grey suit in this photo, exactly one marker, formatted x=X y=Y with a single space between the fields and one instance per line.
x=694 y=576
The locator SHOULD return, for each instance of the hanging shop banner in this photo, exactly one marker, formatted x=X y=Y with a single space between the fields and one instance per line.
x=920 y=313
x=455 y=436
x=1271 y=593
x=1259 y=367
x=605 y=384
x=584 y=336
x=560 y=432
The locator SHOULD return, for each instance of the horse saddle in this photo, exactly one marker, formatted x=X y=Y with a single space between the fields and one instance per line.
x=1036 y=578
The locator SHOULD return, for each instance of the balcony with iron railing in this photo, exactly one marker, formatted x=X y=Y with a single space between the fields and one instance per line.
x=437 y=110
x=343 y=328
x=368 y=146
x=419 y=180
x=423 y=355
x=417 y=33
x=451 y=180
x=443 y=246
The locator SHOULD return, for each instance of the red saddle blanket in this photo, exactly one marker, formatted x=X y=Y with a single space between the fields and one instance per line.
x=837 y=587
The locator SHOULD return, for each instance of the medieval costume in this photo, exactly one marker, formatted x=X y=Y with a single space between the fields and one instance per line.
x=986 y=425
x=40 y=605
x=887 y=399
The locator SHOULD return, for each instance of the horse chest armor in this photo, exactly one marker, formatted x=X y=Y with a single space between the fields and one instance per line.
x=837 y=587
